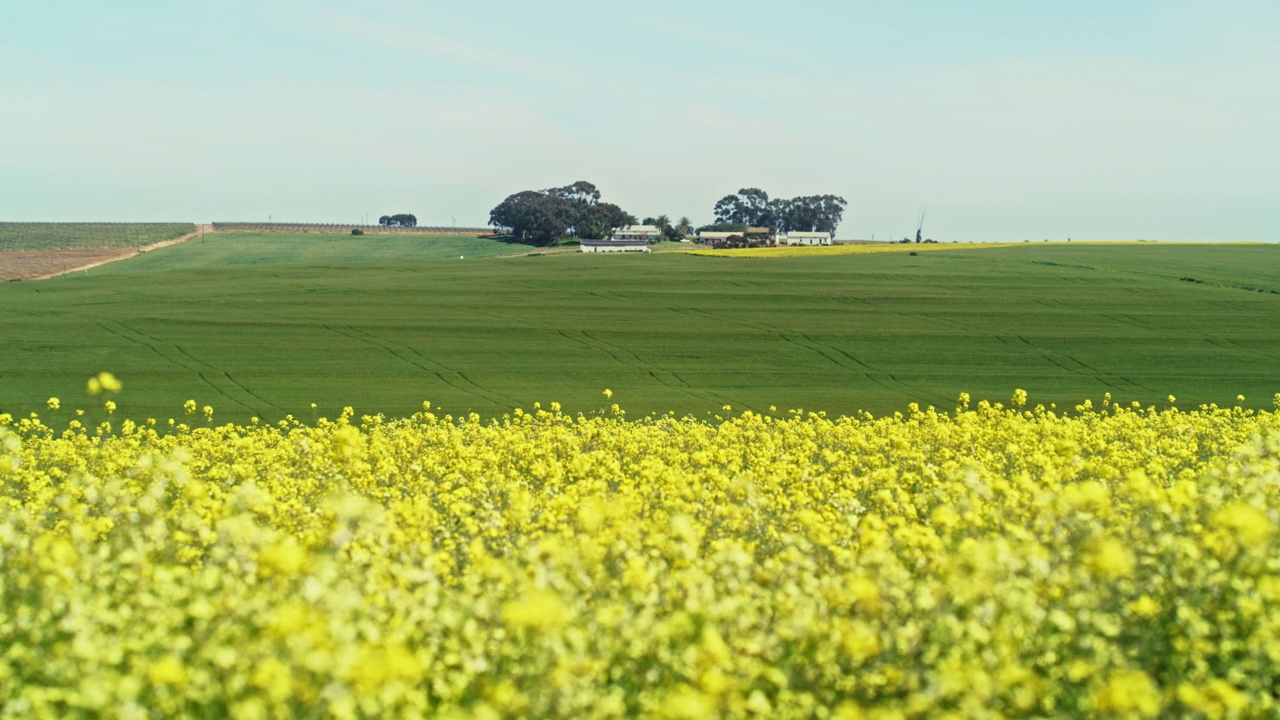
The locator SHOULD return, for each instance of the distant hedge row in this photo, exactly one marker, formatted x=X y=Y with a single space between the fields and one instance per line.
x=59 y=236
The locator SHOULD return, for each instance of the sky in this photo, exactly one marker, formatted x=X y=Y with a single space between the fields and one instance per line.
x=1006 y=119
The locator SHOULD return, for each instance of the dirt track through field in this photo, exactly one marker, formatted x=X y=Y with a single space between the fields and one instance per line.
x=45 y=264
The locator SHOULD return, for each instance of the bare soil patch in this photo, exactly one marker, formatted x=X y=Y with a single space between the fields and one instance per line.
x=44 y=264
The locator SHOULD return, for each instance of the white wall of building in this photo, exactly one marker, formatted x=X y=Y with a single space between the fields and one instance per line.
x=808 y=238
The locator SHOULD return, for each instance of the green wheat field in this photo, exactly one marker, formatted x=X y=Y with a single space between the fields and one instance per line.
x=266 y=325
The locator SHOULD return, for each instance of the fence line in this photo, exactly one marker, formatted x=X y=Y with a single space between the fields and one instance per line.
x=346 y=228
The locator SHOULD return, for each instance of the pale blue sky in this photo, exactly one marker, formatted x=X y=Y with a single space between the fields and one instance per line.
x=1009 y=119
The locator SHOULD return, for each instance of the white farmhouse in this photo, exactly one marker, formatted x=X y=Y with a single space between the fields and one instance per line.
x=807 y=238
x=647 y=233
x=712 y=236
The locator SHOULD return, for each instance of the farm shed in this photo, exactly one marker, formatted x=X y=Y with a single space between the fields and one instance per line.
x=599 y=246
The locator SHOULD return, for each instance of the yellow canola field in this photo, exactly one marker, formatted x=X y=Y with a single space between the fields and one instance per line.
x=812 y=250
x=990 y=562
x=867 y=247
x=864 y=248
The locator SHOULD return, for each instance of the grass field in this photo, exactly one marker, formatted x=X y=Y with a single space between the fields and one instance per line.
x=63 y=236
x=267 y=324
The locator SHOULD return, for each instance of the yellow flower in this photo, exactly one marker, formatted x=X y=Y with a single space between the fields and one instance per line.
x=104 y=382
x=1128 y=693
x=189 y=407
x=1250 y=525
x=1111 y=559
x=536 y=609
x=686 y=703
x=861 y=642
x=378 y=665
x=54 y=403
x=1144 y=606
x=274 y=678
x=168 y=670
x=608 y=393
x=284 y=558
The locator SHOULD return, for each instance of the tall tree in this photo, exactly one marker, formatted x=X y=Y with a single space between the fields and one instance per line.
x=729 y=210
x=664 y=226
x=543 y=217
x=579 y=195
x=531 y=216
x=759 y=210
x=684 y=228
x=751 y=206
x=598 y=221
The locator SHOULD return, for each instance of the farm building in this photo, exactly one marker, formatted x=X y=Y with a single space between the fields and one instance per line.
x=751 y=237
x=599 y=246
x=647 y=233
x=808 y=238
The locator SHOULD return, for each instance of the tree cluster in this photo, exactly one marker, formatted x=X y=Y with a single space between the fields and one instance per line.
x=400 y=220
x=724 y=227
x=674 y=233
x=543 y=217
x=744 y=239
x=752 y=207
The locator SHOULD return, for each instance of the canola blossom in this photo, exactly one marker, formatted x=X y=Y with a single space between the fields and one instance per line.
x=983 y=563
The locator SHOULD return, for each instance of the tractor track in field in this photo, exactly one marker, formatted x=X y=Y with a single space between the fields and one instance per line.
x=1233 y=346
x=1132 y=321
x=462 y=383
x=202 y=369
x=671 y=379
x=166 y=358
x=1045 y=354
x=1081 y=368
x=828 y=352
x=1230 y=345
x=212 y=368
x=585 y=339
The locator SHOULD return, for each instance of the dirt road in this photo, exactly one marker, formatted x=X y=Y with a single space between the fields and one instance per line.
x=45 y=264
